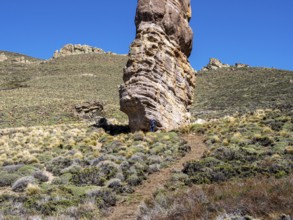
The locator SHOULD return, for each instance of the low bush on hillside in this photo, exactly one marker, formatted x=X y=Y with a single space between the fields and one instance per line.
x=240 y=147
x=256 y=198
x=45 y=93
x=227 y=91
x=61 y=169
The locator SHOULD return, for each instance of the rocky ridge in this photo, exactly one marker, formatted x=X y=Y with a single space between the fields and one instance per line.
x=158 y=79
x=75 y=49
x=19 y=59
x=215 y=64
x=22 y=60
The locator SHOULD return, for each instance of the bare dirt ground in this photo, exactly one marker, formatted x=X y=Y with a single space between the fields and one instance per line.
x=126 y=210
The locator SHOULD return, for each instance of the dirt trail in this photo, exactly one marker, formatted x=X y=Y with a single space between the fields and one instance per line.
x=126 y=210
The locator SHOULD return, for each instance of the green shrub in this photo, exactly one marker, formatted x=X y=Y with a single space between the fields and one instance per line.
x=104 y=197
x=6 y=179
x=89 y=176
x=57 y=164
x=20 y=184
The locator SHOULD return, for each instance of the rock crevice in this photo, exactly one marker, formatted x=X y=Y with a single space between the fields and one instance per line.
x=158 y=79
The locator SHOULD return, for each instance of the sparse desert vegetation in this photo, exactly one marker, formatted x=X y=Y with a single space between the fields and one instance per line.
x=54 y=165
x=45 y=92
x=245 y=146
x=246 y=173
x=233 y=90
x=56 y=169
x=253 y=198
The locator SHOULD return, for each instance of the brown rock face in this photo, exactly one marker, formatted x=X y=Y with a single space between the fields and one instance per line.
x=158 y=79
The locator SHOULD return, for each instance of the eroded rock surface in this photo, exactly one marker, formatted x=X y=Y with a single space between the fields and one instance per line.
x=158 y=79
x=89 y=111
x=75 y=49
x=215 y=64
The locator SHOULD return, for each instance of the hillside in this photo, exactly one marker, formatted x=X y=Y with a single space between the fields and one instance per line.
x=12 y=56
x=54 y=166
x=233 y=90
x=46 y=92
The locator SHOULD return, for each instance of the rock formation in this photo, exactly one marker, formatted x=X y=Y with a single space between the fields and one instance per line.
x=241 y=65
x=215 y=64
x=21 y=59
x=158 y=79
x=71 y=49
x=3 y=57
x=89 y=111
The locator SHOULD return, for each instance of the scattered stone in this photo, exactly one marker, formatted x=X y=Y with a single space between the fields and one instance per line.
x=158 y=79
x=75 y=49
x=89 y=111
x=21 y=60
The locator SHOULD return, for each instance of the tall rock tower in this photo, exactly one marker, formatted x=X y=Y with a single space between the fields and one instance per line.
x=158 y=79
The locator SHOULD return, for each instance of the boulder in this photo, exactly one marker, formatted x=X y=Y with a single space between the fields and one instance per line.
x=158 y=79
x=90 y=111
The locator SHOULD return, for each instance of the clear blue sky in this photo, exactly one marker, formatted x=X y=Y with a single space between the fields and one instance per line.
x=256 y=32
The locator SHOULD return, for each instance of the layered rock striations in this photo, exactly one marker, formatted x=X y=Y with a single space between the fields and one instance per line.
x=158 y=79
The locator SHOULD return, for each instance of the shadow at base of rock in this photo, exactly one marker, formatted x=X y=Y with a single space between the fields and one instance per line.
x=110 y=128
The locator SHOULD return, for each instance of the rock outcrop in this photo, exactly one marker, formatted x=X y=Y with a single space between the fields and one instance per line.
x=215 y=64
x=89 y=111
x=71 y=49
x=241 y=65
x=3 y=57
x=158 y=79
x=21 y=59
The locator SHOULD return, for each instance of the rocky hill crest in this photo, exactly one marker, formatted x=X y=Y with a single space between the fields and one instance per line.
x=75 y=49
x=215 y=64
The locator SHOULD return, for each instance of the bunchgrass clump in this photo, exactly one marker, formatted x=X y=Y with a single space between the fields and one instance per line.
x=54 y=167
